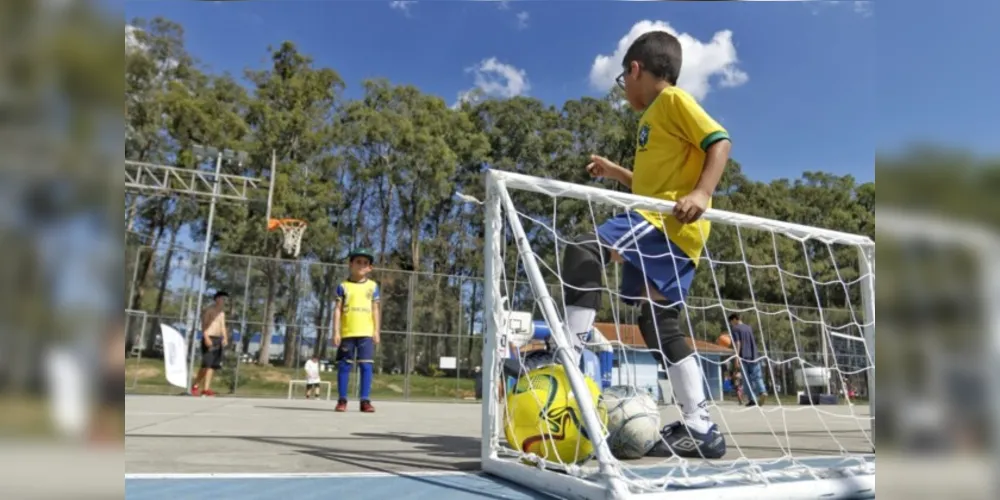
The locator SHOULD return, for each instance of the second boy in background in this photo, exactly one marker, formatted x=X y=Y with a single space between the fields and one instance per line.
x=356 y=325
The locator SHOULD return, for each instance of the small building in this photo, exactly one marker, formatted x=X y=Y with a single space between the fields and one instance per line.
x=635 y=365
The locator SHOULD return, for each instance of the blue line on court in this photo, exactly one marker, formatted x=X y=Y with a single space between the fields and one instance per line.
x=264 y=487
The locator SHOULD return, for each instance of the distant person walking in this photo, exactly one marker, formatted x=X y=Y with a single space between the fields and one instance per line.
x=215 y=337
x=746 y=359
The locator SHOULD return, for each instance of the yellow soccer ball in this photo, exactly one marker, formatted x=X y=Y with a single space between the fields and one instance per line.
x=543 y=417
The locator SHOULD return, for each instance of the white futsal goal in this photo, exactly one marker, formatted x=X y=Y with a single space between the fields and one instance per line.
x=788 y=448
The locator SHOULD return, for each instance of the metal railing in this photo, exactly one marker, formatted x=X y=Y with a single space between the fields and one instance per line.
x=427 y=320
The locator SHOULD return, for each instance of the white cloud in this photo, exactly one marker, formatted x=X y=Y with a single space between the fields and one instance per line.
x=403 y=6
x=522 y=19
x=131 y=39
x=495 y=79
x=706 y=64
x=503 y=5
x=865 y=9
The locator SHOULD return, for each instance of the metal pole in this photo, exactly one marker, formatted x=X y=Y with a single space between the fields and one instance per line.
x=270 y=189
x=866 y=259
x=408 y=365
x=129 y=304
x=185 y=266
x=204 y=266
x=494 y=340
x=458 y=344
x=243 y=327
x=135 y=276
x=186 y=317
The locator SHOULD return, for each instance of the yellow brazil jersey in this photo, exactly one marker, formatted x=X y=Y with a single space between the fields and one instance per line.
x=674 y=133
x=357 y=316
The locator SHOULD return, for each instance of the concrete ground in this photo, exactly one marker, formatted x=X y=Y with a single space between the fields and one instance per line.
x=173 y=434
x=169 y=436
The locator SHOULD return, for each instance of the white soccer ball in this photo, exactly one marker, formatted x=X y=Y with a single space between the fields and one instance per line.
x=633 y=422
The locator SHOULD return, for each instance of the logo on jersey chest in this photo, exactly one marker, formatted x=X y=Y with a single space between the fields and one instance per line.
x=643 y=135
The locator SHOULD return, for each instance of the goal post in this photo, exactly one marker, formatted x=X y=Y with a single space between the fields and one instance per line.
x=514 y=259
x=940 y=263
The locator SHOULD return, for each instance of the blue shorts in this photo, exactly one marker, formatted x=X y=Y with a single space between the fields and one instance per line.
x=361 y=349
x=649 y=257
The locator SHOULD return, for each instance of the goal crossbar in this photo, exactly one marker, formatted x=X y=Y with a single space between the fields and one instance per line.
x=564 y=189
x=607 y=480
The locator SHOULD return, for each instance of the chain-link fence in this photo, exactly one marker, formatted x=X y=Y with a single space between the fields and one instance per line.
x=280 y=314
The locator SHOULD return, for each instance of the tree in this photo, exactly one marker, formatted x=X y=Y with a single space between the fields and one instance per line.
x=290 y=116
x=382 y=170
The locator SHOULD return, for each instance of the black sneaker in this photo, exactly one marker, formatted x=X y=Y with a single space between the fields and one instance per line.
x=677 y=439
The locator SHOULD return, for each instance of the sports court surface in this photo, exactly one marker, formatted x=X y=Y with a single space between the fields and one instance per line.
x=199 y=448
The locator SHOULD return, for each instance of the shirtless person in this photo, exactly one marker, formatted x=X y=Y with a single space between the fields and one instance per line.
x=215 y=338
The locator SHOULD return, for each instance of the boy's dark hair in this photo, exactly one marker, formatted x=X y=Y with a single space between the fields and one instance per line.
x=220 y=294
x=658 y=53
x=734 y=317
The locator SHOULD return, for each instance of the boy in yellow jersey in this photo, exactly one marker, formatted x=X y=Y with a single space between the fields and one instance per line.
x=356 y=324
x=680 y=156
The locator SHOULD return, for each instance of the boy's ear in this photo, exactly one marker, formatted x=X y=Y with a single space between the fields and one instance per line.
x=633 y=70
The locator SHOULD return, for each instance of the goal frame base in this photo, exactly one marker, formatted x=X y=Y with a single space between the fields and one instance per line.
x=565 y=486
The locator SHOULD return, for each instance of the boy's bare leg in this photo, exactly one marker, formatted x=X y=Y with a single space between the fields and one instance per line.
x=200 y=379
x=208 y=379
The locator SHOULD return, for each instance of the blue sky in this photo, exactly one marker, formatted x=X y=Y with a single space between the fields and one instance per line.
x=938 y=74
x=795 y=83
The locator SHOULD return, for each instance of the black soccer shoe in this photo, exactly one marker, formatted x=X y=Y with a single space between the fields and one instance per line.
x=678 y=440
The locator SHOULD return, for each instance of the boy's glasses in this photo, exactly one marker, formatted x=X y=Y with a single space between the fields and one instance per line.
x=620 y=80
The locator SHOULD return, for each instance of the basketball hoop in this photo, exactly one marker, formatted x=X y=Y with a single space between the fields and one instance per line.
x=292 y=229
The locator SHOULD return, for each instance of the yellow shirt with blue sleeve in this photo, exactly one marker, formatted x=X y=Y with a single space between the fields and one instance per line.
x=674 y=133
x=357 y=299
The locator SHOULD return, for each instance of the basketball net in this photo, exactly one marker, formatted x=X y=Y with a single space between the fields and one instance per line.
x=292 y=231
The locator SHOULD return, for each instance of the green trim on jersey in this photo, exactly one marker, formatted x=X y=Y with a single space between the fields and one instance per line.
x=713 y=138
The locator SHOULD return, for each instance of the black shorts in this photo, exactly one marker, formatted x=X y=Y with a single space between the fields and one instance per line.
x=310 y=387
x=211 y=357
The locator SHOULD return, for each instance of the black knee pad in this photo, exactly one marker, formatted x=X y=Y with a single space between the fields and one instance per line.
x=582 y=268
x=660 y=326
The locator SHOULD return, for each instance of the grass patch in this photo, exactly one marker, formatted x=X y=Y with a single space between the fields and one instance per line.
x=146 y=377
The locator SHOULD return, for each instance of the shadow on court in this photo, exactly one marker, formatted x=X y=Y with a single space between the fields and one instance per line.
x=425 y=452
x=294 y=408
x=400 y=454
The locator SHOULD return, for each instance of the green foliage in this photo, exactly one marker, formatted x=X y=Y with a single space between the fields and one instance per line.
x=381 y=171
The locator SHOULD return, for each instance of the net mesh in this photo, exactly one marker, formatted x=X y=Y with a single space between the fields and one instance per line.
x=802 y=290
x=292 y=231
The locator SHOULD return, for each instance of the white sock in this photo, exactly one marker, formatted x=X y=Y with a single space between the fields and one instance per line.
x=579 y=320
x=689 y=389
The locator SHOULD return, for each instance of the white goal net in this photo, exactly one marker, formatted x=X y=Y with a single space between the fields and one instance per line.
x=806 y=293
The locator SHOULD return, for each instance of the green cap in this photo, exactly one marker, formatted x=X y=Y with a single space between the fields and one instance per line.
x=361 y=252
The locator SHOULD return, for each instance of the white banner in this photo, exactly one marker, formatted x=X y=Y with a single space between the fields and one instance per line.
x=68 y=392
x=174 y=350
